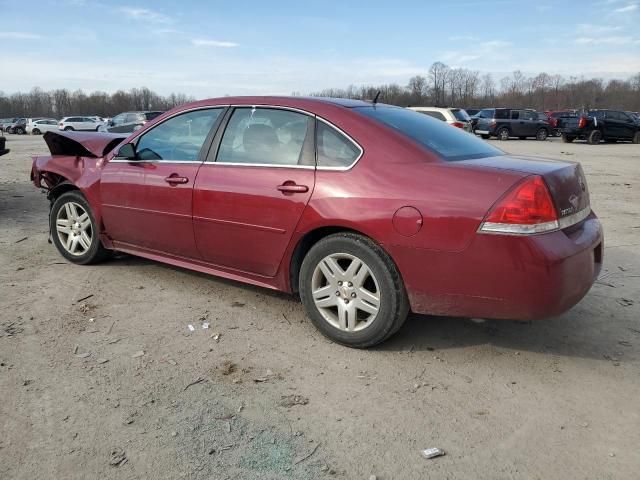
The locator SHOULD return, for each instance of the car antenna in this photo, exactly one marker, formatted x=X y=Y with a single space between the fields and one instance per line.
x=375 y=99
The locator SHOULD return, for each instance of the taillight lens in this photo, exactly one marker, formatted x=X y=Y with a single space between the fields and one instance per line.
x=493 y=124
x=582 y=122
x=458 y=124
x=526 y=209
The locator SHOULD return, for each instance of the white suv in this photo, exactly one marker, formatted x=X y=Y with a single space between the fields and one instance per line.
x=453 y=116
x=41 y=125
x=79 y=123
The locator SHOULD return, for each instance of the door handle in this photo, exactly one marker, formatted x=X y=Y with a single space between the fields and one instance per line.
x=175 y=179
x=290 y=187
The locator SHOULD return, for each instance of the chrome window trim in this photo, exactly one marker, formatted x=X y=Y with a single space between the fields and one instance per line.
x=276 y=165
x=154 y=161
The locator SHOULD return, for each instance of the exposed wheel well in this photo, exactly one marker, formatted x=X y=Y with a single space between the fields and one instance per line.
x=61 y=185
x=305 y=244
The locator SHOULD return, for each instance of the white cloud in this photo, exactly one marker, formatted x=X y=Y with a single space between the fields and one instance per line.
x=613 y=40
x=20 y=35
x=632 y=7
x=144 y=14
x=205 y=42
x=589 y=28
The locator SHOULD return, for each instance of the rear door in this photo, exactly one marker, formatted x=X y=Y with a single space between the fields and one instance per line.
x=530 y=122
x=517 y=123
x=147 y=201
x=253 y=188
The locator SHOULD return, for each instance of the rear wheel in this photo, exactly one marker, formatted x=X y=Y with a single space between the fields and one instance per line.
x=68 y=129
x=74 y=231
x=567 y=138
x=18 y=130
x=35 y=131
x=352 y=290
x=594 y=137
x=542 y=134
x=503 y=134
x=636 y=138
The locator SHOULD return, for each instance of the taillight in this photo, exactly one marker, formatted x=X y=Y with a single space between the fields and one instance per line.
x=582 y=122
x=526 y=209
x=493 y=124
x=458 y=124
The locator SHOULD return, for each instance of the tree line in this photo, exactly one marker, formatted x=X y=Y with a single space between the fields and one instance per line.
x=444 y=86
x=62 y=102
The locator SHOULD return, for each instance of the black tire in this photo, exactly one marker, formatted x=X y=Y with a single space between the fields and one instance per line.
x=504 y=134
x=96 y=252
x=35 y=131
x=636 y=138
x=594 y=137
x=18 y=131
x=485 y=136
x=394 y=304
x=68 y=129
x=567 y=138
x=542 y=134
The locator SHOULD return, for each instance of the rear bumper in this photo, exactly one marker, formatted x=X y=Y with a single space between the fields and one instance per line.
x=505 y=276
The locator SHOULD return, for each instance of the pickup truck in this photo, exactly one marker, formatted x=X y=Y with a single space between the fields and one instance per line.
x=597 y=125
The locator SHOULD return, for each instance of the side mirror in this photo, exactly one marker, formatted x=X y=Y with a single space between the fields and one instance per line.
x=127 y=152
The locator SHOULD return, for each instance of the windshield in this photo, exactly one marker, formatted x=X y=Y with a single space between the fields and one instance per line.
x=460 y=114
x=449 y=142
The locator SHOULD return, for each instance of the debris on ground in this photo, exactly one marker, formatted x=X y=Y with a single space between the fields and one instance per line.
x=195 y=382
x=205 y=325
x=216 y=336
x=100 y=361
x=83 y=354
x=138 y=354
x=289 y=401
x=432 y=452
x=625 y=302
x=191 y=328
x=238 y=304
x=84 y=298
x=117 y=457
x=307 y=455
x=228 y=367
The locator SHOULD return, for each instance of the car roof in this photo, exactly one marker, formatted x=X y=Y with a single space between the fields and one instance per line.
x=287 y=101
x=434 y=109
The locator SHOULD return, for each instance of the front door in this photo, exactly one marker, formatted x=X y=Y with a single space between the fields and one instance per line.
x=249 y=197
x=147 y=201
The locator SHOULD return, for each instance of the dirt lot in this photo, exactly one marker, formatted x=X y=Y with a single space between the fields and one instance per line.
x=87 y=383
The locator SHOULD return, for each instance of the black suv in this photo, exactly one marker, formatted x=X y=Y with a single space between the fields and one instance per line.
x=505 y=123
x=128 y=122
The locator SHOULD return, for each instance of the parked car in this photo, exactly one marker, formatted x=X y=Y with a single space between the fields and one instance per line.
x=37 y=127
x=367 y=211
x=456 y=117
x=18 y=127
x=597 y=125
x=555 y=115
x=128 y=122
x=79 y=123
x=6 y=122
x=505 y=123
x=472 y=111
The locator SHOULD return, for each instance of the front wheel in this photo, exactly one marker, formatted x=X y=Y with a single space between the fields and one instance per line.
x=352 y=290
x=68 y=129
x=74 y=231
x=35 y=131
x=542 y=134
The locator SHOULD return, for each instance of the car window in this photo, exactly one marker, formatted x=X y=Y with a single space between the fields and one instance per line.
x=118 y=119
x=449 y=143
x=502 y=113
x=132 y=118
x=486 y=113
x=151 y=115
x=178 y=139
x=265 y=136
x=433 y=114
x=527 y=115
x=334 y=149
x=515 y=114
x=597 y=114
x=460 y=114
x=88 y=120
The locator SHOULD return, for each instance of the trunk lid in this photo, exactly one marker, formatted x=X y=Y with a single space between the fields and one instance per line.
x=566 y=180
x=82 y=144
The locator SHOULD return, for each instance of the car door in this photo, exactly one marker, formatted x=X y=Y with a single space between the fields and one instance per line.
x=623 y=125
x=253 y=188
x=531 y=122
x=517 y=123
x=147 y=200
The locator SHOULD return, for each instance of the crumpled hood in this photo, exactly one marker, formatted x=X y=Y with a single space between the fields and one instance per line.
x=82 y=144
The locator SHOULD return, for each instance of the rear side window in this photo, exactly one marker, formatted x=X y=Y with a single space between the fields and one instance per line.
x=448 y=142
x=132 y=118
x=502 y=113
x=178 y=139
x=334 y=149
x=265 y=136
x=437 y=115
x=515 y=114
x=460 y=114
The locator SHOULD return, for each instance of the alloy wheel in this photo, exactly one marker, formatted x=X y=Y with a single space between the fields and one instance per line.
x=73 y=226
x=345 y=292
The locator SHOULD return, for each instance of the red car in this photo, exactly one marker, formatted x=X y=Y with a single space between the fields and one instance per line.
x=365 y=210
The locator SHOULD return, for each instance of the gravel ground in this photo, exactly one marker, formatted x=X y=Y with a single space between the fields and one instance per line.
x=100 y=376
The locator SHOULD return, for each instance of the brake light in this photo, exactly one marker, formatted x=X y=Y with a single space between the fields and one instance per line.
x=493 y=124
x=458 y=124
x=582 y=122
x=526 y=209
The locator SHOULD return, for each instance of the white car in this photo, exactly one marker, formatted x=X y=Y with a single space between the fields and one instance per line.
x=457 y=117
x=41 y=125
x=79 y=124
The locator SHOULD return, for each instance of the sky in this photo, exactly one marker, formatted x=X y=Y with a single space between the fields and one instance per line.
x=242 y=47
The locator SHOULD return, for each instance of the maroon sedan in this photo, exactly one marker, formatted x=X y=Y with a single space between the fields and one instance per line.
x=365 y=210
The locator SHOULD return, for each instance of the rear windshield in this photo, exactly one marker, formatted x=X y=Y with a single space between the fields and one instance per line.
x=449 y=142
x=151 y=115
x=460 y=114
